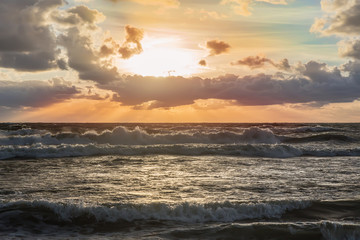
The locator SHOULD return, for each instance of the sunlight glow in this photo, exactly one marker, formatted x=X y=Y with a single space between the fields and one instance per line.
x=162 y=57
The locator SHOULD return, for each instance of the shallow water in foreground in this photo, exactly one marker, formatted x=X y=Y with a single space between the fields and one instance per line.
x=173 y=181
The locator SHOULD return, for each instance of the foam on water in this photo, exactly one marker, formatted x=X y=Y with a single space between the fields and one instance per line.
x=67 y=150
x=182 y=212
x=246 y=150
x=308 y=129
x=41 y=219
x=235 y=141
x=137 y=136
x=136 y=193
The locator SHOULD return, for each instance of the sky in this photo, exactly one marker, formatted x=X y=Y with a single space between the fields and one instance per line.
x=180 y=61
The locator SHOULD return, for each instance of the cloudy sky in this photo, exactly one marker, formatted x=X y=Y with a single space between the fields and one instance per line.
x=180 y=61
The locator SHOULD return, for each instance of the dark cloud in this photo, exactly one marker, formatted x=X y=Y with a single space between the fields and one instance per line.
x=84 y=58
x=132 y=44
x=78 y=15
x=342 y=18
x=346 y=20
x=252 y=62
x=105 y=50
x=64 y=17
x=202 y=63
x=216 y=47
x=30 y=62
x=167 y=91
x=316 y=83
x=87 y=15
x=283 y=65
x=35 y=93
x=350 y=48
x=92 y=63
x=353 y=69
x=27 y=42
x=62 y=64
x=259 y=62
x=80 y=23
x=109 y=47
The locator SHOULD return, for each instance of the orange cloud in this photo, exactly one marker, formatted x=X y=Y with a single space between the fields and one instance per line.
x=132 y=44
x=259 y=62
x=217 y=47
x=202 y=63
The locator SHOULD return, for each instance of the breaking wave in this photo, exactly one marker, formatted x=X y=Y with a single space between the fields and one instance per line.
x=67 y=150
x=279 y=219
x=137 y=136
x=123 y=136
x=182 y=212
x=328 y=230
x=307 y=129
x=231 y=141
x=245 y=150
x=319 y=138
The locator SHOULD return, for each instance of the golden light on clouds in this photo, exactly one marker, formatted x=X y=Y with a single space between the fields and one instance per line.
x=172 y=60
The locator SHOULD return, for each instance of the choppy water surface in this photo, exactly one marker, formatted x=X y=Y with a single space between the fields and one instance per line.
x=173 y=181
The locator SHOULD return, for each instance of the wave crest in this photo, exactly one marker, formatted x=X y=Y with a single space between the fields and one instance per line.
x=77 y=150
x=137 y=136
x=243 y=150
x=182 y=212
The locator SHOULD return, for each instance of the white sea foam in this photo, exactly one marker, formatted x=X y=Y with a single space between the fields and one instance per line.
x=252 y=142
x=74 y=150
x=182 y=212
x=137 y=136
x=314 y=129
x=122 y=135
x=247 y=150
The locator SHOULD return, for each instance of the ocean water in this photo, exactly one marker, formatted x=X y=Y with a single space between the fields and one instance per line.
x=180 y=181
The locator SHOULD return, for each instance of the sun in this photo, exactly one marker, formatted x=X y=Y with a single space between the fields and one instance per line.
x=162 y=57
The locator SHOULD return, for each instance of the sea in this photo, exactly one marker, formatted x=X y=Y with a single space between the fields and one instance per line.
x=179 y=181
